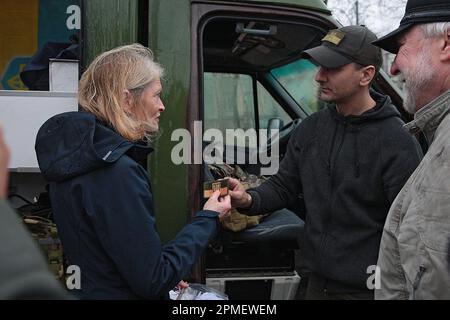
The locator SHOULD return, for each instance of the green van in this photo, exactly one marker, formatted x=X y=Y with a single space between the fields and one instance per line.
x=229 y=64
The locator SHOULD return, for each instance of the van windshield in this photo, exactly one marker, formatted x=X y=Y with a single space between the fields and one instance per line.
x=297 y=78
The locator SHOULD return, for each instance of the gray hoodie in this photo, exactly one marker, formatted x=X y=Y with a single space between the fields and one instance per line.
x=347 y=170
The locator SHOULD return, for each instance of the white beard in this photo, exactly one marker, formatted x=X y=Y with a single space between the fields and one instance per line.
x=417 y=81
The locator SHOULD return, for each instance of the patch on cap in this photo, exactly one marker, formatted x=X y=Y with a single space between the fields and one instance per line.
x=334 y=36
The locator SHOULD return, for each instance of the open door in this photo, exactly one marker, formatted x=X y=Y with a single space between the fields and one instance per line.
x=251 y=80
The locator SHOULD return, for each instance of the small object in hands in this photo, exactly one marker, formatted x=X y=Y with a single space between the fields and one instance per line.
x=210 y=187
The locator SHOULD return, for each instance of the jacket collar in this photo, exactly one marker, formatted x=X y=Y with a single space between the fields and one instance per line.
x=430 y=117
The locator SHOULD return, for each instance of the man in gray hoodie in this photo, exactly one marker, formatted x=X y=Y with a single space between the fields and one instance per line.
x=347 y=163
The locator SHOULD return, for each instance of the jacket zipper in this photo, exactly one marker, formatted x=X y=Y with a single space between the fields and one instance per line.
x=331 y=149
x=331 y=165
x=417 y=280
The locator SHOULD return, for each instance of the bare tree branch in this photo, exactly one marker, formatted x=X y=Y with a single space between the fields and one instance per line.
x=381 y=16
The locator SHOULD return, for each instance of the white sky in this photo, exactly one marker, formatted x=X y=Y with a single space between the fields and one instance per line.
x=381 y=16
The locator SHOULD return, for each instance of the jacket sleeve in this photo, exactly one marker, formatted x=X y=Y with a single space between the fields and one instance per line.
x=121 y=210
x=282 y=189
x=401 y=154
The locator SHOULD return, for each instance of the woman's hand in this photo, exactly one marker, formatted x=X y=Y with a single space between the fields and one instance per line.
x=222 y=205
x=4 y=160
x=182 y=285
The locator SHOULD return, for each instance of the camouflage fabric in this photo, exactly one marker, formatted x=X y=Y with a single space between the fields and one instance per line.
x=236 y=221
x=24 y=272
x=45 y=233
x=414 y=254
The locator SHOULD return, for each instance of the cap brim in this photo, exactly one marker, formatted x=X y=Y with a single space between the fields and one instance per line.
x=389 y=42
x=326 y=57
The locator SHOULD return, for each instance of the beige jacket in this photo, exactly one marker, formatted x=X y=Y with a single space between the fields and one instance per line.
x=414 y=257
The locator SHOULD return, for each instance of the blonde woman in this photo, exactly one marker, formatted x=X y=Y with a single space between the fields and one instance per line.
x=101 y=196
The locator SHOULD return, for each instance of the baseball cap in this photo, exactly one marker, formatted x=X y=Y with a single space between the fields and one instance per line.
x=416 y=12
x=346 y=45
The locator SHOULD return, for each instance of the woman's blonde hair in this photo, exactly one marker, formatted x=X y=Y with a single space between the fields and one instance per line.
x=107 y=78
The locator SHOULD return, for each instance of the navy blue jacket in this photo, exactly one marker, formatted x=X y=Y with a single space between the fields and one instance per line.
x=103 y=207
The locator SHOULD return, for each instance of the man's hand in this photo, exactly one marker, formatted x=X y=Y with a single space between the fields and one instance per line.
x=4 y=160
x=239 y=197
x=222 y=205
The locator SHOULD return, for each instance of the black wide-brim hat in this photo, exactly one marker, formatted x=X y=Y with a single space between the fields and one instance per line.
x=416 y=12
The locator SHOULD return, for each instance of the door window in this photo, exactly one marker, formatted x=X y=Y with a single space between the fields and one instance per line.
x=269 y=108
x=229 y=103
x=297 y=78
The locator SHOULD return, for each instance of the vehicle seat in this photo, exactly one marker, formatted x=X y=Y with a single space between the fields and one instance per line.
x=281 y=225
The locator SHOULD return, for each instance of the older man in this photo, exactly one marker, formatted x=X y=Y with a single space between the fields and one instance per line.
x=414 y=254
